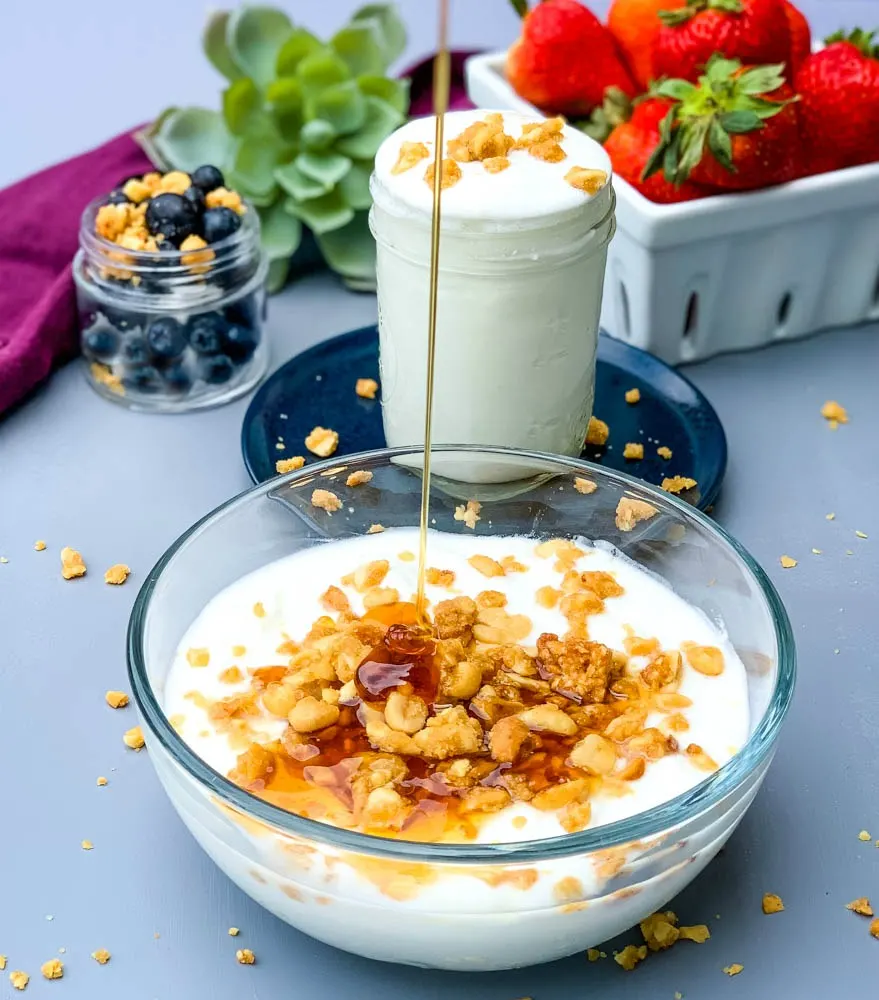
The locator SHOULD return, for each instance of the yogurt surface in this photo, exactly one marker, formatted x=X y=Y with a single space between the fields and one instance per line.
x=243 y=628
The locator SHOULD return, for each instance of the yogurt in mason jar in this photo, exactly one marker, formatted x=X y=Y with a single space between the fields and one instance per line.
x=527 y=213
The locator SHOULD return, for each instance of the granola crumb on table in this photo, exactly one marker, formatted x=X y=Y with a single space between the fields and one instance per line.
x=359 y=478
x=772 y=903
x=40 y=546
x=633 y=451
x=597 y=432
x=322 y=441
x=664 y=452
x=116 y=699
x=117 y=574
x=366 y=388
x=133 y=738
x=285 y=465
x=101 y=956
x=245 y=956
x=469 y=514
x=584 y=486
x=19 y=979
x=633 y=396
x=677 y=484
x=72 y=565
x=861 y=906
x=326 y=500
x=734 y=969
x=630 y=512
x=787 y=562
x=53 y=969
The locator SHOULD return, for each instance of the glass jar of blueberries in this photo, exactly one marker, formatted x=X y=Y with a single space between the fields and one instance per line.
x=170 y=284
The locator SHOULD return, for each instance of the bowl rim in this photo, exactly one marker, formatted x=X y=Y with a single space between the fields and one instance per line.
x=642 y=826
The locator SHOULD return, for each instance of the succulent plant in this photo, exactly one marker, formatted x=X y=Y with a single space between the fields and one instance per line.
x=300 y=124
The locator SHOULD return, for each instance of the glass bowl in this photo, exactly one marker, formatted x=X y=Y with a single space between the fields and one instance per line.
x=462 y=906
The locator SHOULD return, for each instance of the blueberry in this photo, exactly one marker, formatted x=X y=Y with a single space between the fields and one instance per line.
x=143 y=379
x=215 y=369
x=244 y=312
x=206 y=334
x=166 y=339
x=172 y=216
x=121 y=319
x=115 y=197
x=100 y=342
x=176 y=378
x=218 y=223
x=195 y=197
x=207 y=178
x=135 y=352
x=239 y=342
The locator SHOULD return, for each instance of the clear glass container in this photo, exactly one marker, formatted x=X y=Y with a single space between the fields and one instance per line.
x=172 y=331
x=480 y=906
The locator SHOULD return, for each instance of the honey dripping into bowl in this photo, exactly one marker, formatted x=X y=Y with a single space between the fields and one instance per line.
x=441 y=84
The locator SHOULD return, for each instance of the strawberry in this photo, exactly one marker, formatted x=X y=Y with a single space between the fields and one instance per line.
x=800 y=37
x=839 y=109
x=565 y=59
x=635 y=24
x=630 y=145
x=737 y=129
x=755 y=31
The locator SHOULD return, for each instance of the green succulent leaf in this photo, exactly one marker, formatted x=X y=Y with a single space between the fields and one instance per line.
x=360 y=45
x=242 y=106
x=355 y=185
x=326 y=168
x=281 y=231
x=350 y=252
x=320 y=70
x=342 y=105
x=213 y=42
x=277 y=277
x=324 y=214
x=298 y=185
x=393 y=92
x=317 y=135
x=190 y=137
x=285 y=100
x=255 y=36
x=391 y=27
x=300 y=44
x=254 y=164
x=145 y=138
x=381 y=120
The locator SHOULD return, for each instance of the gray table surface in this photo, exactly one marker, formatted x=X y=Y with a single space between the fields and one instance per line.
x=75 y=470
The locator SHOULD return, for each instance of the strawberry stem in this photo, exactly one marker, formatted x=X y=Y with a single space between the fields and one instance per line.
x=683 y=14
x=862 y=40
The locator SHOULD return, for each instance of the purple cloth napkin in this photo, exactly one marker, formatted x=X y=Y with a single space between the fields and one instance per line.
x=39 y=234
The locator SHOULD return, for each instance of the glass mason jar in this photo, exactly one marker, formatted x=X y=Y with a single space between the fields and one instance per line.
x=521 y=274
x=171 y=331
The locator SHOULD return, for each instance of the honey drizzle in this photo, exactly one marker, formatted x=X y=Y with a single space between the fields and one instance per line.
x=441 y=85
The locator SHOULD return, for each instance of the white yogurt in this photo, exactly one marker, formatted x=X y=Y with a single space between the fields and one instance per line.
x=484 y=917
x=522 y=259
x=718 y=717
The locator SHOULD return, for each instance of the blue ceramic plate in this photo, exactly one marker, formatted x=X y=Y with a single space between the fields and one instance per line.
x=317 y=387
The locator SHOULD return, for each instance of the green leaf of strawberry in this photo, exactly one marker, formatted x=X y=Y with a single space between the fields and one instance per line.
x=683 y=14
x=520 y=7
x=862 y=40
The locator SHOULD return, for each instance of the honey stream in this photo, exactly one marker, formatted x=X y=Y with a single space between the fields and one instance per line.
x=441 y=84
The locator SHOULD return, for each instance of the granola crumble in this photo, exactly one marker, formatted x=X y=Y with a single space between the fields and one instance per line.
x=117 y=574
x=772 y=903
x=322 y=441
x=630 y=512
x=245 y=956
x=101 y=956
x=787 y=562
x=587 y=180
x=101 y=781
x=366 y=388
x=40 y=546
x=834 y=413
x=326 y=500
x=584 y=486
x=633 y=396
x=72 y=565
x=411 y=154
x=19 y=979
x=664 y=452
x=630 y=956
x=116 y=699
x=285 y=465
x=234 y=932
x=861 y=906
x=469 y=514
x=375 y=529
x=449 y=176
x=677 y=484
x=359 y=478
x=633 y=452
x=133 y=738
x=597 y=432
x=734 y=969
x=53 y=969
x=87 y=845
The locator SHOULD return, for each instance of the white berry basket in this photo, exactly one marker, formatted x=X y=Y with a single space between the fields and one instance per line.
x=730 y=272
